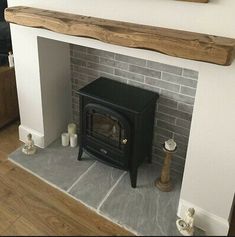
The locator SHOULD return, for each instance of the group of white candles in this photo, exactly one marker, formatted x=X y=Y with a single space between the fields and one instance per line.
x=71 y=136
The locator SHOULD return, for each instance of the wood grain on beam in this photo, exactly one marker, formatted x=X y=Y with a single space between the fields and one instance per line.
x=183 y=44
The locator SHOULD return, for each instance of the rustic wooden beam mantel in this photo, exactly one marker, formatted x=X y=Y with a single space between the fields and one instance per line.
x=183 y=44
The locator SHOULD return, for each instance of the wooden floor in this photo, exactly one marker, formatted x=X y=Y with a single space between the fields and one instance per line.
x=29 y=206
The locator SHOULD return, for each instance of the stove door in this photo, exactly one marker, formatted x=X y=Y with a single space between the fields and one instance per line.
x=108 y=133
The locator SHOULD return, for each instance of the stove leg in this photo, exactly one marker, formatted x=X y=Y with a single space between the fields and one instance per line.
x=80 y=153
x=133 y=176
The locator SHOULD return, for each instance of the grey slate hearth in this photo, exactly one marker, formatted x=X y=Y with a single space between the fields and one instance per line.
x=144 y=210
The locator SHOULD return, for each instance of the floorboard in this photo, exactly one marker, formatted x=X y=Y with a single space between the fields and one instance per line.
x=28 y=206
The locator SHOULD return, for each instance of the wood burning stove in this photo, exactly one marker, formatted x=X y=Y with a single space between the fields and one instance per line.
x=116 y=124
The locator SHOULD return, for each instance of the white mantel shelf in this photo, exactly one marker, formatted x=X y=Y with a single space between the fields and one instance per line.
x=182 y=44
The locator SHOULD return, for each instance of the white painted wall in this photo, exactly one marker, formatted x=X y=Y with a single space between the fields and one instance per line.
x=28 y=85
x=214 y=18
x=54 y=61
x=209 y=178
x=43 y=85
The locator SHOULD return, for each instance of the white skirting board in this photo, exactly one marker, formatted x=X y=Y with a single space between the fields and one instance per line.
x=37 y=137
x=210 y=223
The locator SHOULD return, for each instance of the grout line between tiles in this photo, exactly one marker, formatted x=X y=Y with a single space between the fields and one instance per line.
x=76 y=199
x=76 y=182
x=110 y=191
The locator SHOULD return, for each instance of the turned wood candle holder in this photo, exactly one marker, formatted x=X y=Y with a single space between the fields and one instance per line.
x=164 y=183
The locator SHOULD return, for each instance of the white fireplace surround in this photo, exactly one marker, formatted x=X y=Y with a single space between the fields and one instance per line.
x=43 y=71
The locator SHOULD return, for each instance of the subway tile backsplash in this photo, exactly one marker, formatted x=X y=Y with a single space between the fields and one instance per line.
x=176 y=87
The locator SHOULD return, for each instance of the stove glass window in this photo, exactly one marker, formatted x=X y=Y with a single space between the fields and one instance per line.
x=105 y=127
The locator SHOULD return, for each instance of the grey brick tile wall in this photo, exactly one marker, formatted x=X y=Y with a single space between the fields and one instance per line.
x=165 y=117
x=168 y=102
x=113 y=63
x=88 y=71
x=85 y=57
x=131 y=60
x=144 y=71
x=180 y=138
x=173 y=128
x=184 y=81
x=129 y=75
x=190 y=73
x=100 y=53
x=187 y=91
x=135 y=83
x=164 y=132
x=178 y=97
x=151 y=88
x=162 y=84
x=176 y=87
x=164 y=67
x=78 y=61
x=183 y=123
x=100 y=67
x=185 y=107
x=174 y=112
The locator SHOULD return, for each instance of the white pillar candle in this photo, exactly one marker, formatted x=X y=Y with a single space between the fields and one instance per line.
x=73 y=140
x=72 y=128
x=65 y=139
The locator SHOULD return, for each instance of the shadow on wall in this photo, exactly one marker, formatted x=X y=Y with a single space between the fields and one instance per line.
x=232 y=219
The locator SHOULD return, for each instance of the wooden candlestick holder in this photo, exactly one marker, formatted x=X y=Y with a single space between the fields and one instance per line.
x=164 y=183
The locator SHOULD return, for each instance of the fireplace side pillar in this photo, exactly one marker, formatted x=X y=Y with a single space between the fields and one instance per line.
x=54 y=61
x=45 y=118
x=24 y=44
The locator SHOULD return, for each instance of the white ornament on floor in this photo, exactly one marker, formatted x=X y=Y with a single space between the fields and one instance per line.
x=10 y=59
x=29 y=147
x=185 y=226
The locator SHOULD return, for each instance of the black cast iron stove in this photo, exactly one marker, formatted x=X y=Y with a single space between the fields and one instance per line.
x=116 y=124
